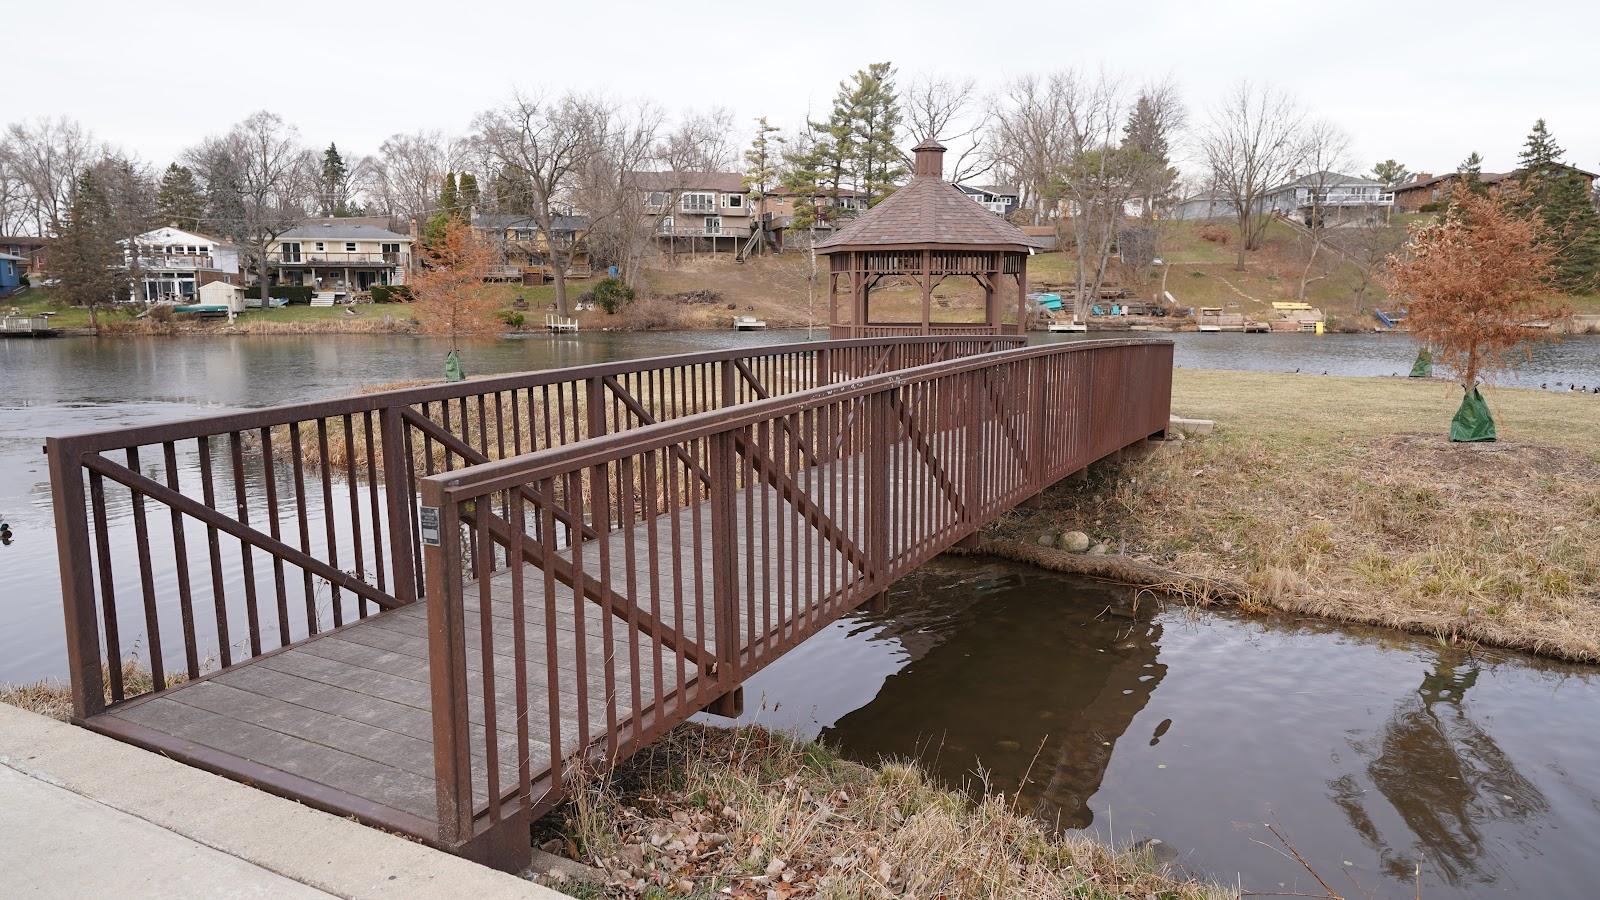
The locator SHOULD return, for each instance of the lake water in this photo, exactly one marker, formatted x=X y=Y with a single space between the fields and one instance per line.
x=1372 y=752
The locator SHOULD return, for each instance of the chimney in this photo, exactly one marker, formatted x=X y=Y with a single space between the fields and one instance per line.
x=929 y=159
x=1422 y=176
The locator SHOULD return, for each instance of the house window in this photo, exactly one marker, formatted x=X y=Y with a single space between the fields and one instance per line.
x=733 y=201
x=656 y=199
x=290 y=252
x=349 y=246
x=699 y=201
x=320 y=247
x=391 y=248
x=713 y=224
x=665 y=225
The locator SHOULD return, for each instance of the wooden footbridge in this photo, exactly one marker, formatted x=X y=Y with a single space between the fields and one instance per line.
x=423 y=608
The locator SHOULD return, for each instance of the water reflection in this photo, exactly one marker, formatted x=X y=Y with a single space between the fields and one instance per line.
x=1470 y=780
x=974 y=704
x=1372 y=752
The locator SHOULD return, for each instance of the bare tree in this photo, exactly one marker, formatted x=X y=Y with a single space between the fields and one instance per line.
x=1031 y=135
x=1369 y=245
x=260 y=170
x=699 y=143
x=129 y=190
x=1254 y=141
x=15 y=200
x=403 y=177
x=47 y=156
x=1326 y=150
x=552 y=144
x=1099 y=175
x=609 y=191
x=950 y=112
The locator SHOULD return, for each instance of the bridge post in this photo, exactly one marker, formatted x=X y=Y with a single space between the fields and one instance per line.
x=397 y=477
x=723 y=493
x=447 y=669
x=77 y=581
x=879 y=437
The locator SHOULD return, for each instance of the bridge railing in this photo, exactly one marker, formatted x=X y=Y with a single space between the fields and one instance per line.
x=670 y=562
x=198 y=544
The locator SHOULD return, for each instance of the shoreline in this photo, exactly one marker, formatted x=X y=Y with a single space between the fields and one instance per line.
x=1342 y=498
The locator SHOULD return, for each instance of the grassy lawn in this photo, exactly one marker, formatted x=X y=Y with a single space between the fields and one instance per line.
x=1342 y=497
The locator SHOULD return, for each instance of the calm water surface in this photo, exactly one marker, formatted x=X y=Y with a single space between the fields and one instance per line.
x=1373 y=753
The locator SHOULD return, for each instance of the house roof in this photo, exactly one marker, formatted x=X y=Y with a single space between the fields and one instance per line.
x=928 y=210
x=997 y=190
x=24 y=240
x=725 y=182
x=340 y=230
x=12 y=258
x=1485 y=177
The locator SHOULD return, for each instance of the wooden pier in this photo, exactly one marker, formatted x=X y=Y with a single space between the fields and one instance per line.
x=539 y=572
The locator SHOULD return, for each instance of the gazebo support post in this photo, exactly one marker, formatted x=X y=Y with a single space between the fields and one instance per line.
x=1022 y=298
x=926 y=281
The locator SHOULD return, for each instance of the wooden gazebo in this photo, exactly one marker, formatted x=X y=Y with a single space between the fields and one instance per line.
x=926 y=231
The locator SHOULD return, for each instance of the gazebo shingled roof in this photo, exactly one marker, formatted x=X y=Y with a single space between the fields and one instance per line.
x=927 y=230
x=931 y=212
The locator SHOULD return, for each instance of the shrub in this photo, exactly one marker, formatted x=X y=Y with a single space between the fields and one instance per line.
x=611 y=295
x=1216 y=235
x=23 y=282
x=391 y=293
x=161 y=314
x=511 y=317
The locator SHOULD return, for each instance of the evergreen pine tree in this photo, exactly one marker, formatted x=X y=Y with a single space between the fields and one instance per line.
x=1540 y=150
x=467 y=196
x=1144 y=134
x=178 y=200
x=802 y=176
x=333 y=186
x=761 y=162
x=85 y=254
x=447 y=210
x=1560 y=196
x=873 y=109
x=1391 y=172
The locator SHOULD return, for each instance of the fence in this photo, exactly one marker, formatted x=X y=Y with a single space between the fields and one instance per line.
x=200 y=544
x=609 y=588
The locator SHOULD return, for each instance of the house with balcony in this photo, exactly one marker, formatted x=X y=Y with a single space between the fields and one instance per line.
x=342 y=257
x=698 y=210
x=523 y=251
x=998 y=199
x=1337 y=199
x=172 y=264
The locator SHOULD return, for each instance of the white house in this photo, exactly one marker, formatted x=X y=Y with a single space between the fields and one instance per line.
x=998 y=199
x=173 y=263
x=1339 y=199
x=340 y=255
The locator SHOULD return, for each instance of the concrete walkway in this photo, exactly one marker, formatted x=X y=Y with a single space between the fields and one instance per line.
x=85 y=815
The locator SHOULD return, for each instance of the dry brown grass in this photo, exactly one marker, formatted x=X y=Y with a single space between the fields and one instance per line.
x=749 y=814
x=53 y=697
x=1341 y=497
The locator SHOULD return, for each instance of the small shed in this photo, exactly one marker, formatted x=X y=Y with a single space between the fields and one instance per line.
x=926 y=231
x=10 y=273
x=221 y=293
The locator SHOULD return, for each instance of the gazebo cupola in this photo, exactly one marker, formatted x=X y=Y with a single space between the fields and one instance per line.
x=925 y=232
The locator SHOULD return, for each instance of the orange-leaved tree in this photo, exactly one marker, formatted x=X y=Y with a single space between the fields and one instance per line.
x=448 y=295
x=1473 y=280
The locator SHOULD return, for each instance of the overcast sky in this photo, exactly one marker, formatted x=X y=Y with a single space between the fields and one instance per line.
x=1425 y=83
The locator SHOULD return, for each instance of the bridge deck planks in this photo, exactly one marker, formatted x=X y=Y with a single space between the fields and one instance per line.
x=350 y=710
